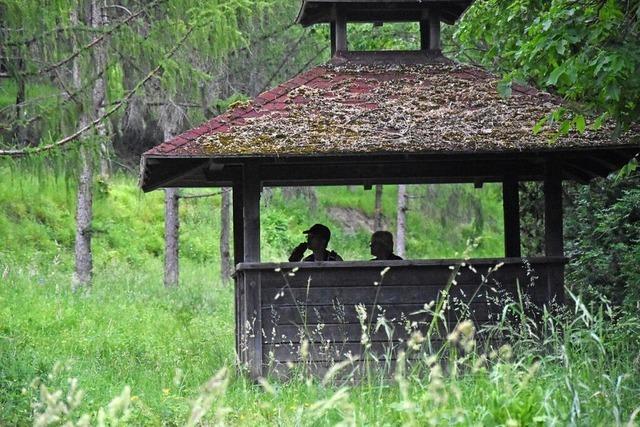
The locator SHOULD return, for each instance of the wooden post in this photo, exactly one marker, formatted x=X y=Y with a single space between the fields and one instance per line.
x=553 y=238
x=238 y=228
x=511 y=206
x=332 y=36
x=434 y=30
x=424 y=35
x=340 y=33
x=251 y=207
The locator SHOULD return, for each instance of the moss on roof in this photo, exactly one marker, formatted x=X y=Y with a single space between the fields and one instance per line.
x=349 y=108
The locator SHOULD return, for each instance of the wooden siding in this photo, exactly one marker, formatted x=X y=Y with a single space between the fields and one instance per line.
x=282 y=305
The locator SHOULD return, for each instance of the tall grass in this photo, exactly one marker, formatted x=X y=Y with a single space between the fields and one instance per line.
x=584 y=370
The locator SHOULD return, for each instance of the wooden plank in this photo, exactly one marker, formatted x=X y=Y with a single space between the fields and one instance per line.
x=287 y=315
x=555 y=286
x=377 y=266
x=380 y=173
x=335 y=352
x=511 y=207
x=554 y=240
x=349 y=332
x=437 y=276
x=252 y=317
x=397 y=294
x=417 y=276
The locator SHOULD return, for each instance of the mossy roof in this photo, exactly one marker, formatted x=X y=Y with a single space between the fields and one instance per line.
x=347 y=107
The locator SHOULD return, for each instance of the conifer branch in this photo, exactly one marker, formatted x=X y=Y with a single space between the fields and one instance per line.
x=88 y=46
x=114 y=108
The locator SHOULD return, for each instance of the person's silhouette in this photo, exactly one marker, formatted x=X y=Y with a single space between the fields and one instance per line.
x=318 y=237
x=382 y=246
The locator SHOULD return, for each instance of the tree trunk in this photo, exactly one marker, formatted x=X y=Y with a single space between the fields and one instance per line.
x=21 y=97
x=170 y=117
x=83 y=255
x=401 y=220
x=84 y=206
x=377 y=219
x=226 y=266
x=99 y=20
x=309 y=193
x=171 y=237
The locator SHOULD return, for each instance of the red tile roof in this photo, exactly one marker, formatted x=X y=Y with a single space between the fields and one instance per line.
x=436 y=106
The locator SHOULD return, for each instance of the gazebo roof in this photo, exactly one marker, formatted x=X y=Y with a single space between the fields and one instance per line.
x=360 y=104
x=321 y=11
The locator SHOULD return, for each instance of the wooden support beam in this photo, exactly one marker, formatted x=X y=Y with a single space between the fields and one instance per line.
x=553 y=238
x=332 y=36
x=424 y=35
x=578 y=174
x=238 y=229
x=606 y=161
x=171 y=172
x=251 y=207
x=340 y=33
x=511 y=206
x=434 y=30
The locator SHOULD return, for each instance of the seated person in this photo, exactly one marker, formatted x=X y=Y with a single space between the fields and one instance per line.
x=317 y=240
x=382 y=246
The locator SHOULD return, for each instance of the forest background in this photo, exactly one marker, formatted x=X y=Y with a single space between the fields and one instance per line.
x=86 y=87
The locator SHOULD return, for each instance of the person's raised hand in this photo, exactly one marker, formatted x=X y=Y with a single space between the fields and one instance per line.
x=298 y=252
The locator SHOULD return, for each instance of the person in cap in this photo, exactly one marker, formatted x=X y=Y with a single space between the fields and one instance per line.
x=318 y=237
x=382 y=246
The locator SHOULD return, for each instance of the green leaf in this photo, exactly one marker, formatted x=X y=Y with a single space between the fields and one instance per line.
x=627 y=169
x=565 y=127
x=580 y=123
x=537 y=128
x=555 y=75
x=597 y=123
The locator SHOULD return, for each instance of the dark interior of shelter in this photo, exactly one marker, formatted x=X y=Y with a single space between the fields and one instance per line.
x=367 y=118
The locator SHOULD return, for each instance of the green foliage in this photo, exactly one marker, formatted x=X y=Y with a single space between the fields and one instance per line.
x=605 y=239
x=587 y=52
x=390 y=36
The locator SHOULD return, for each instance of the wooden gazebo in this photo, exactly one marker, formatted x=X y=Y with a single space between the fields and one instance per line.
x=381 y=118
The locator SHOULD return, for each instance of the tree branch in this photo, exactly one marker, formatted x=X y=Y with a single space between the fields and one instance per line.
x=66 y=140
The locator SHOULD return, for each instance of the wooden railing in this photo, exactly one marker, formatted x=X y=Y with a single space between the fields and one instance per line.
x=318 y=312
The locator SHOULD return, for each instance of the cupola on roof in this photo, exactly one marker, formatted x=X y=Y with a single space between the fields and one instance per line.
x=324 y=11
